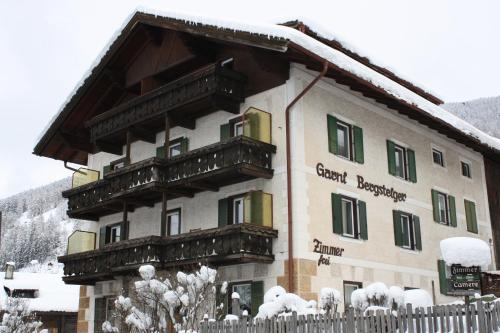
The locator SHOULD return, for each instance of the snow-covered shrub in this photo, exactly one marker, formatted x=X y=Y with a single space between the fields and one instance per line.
x=359 y=300
x=183 y=299
x=377 y=294
x=273 y=293
x=284 y=304
x=396 y=297
x=417 y=298
x=18 y=319
x=329 y=299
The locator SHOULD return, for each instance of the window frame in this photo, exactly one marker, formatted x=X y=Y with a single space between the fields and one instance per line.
x=359 y=285
x=354 y=216
x=171 y=213
x=349 y=143
x=412 y=244
x=468 y=165
x=230 y=301
x=234 y=123
x=447 y=220
x=403 y=150
x=441 y=156
x=115 y=226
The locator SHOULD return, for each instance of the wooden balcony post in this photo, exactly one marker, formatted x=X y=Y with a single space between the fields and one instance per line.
x=166 y=146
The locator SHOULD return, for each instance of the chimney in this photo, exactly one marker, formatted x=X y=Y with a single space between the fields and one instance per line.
x=9 y=270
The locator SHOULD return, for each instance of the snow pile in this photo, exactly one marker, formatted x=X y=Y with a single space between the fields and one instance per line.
x=235 y=295
x=53 y=293
x=231 y=317
x=329 y=299
x=285 y=303
x=339 y=59
x=273 y=293
x=465 y=251
x=359 y=300
x=418 y=298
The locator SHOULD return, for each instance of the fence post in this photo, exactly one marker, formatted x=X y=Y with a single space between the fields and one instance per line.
x=481 y=316
x=409 y=317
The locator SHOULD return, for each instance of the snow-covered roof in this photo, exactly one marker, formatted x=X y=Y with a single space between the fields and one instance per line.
x=53 y=294
x=291 y=36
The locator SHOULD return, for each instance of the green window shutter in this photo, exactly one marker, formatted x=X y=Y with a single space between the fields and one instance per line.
x=221 y=298
x=223 y=212
x=418 y=237
x=102 y=237
x=224 y=132
x=391 y=157
x=337 y=213
x=106 y=169
x=443 y=281
x=398 y=228
x=359 y=155
x=99 y=314
x=256 y=208
x=474 y=217
x=332 y=134
x=254 y=123
x=412 y=167
x=184 y=145
x=470 y=214
x=435 y=205
x=160 y=152
x=363 y=226
x=453 y=210
x=257 y=296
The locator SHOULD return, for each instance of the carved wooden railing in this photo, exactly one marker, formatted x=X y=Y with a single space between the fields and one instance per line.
x=215 y=80
x=242 y=155
x=219 y=246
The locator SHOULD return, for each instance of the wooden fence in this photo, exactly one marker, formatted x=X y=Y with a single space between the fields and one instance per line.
x=478 y=317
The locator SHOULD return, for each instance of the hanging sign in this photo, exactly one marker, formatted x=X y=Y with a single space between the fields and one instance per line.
x=464 y=280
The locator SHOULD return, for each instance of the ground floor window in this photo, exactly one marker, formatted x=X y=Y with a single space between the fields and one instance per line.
x=245 y=292
x=103 y=311
x=251 y=297
x=349 y=287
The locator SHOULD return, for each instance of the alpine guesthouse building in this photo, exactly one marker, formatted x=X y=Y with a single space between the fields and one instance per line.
x=271 y=152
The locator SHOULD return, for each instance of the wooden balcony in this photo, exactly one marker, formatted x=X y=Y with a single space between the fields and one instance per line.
x=232 y=244
x=206 y=90
x=142 y=184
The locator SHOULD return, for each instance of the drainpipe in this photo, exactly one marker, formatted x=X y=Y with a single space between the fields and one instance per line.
x=289 y=173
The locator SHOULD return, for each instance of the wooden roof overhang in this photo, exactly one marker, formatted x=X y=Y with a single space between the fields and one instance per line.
x=68 y=140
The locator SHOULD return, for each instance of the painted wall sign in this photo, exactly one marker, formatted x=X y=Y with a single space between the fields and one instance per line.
x=381 y=190
x=340 y=177
x=377 y=190
x=325 y=251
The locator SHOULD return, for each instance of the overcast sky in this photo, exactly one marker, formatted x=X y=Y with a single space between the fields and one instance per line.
x=449 y=47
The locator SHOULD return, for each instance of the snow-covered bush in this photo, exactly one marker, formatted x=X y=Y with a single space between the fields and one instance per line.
x=377 y=294
x=359 y=300
x=182 y=299
x=417 y=298
x=396 y=297
x=284 y=303
x=329 y=299
x=273 y=293
x=18 y=319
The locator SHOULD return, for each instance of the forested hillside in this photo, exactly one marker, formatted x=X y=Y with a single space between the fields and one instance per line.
x=35 y=225
x=483 y=113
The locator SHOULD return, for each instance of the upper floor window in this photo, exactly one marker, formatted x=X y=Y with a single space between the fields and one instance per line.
x=345 y=140
x=113 y=233
x=407 y=230
x=174 y=222
x=253 y=123
x=465 y=169
x=349 y=217
x=444 y=209
x=437 y=157
x=401 y=162
x=253 y=207
x=176 y=147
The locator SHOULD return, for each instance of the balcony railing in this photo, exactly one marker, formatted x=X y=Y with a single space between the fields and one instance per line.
x=208 y=168
x=232 y=244
x=208 y=89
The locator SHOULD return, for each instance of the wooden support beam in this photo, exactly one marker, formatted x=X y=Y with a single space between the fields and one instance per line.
x=109 y=147
x=186 y=123
x=204 y=186
x=76 y=142
x=116 y=76
x=143 y=134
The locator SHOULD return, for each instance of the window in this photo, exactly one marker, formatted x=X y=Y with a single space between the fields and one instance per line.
x=345 y=140
x=255 y=207
x=235 y=127
x=103 y=311
x=176 y=147
x=245 y=292
x=349 y=287
x=470 y=216
x=174 y=222
x=113 y=233
x=407 y=230
x=444 y=210
x=437 y=157
x=465 y=169
x=349 y=217
x=238 y=128
x=25 y=293
x=401 y=162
